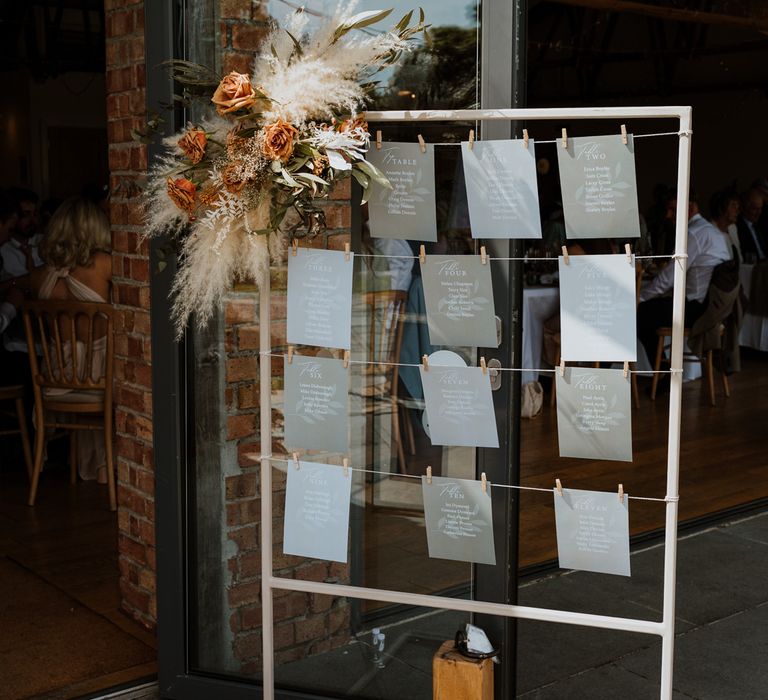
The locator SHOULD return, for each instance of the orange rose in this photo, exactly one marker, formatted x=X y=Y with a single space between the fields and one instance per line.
x=278 y=140
x=182 y=193
x=354 y=123
x=234 y=92
x=193 y=144
x=232 y=177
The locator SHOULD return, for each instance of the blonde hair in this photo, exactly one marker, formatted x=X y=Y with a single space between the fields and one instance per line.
x=77 y=230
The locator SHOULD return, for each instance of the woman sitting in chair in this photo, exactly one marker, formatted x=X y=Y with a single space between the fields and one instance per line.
x=78 y=267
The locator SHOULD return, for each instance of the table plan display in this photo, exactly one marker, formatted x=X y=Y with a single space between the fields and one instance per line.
x=407 y=209
x=597 y=179
x=502 y=193
x=320 y=298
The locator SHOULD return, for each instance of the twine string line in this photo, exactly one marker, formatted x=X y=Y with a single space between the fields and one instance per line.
x=419 y=476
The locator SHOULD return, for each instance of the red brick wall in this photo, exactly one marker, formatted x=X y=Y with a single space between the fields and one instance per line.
x=126 y=99
x=305 y=624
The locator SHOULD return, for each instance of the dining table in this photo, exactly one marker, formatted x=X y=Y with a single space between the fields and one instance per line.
x=754 y=327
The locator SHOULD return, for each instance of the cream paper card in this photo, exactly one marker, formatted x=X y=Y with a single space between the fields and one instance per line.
x=459 y=406
x=597 y=178
x=459 y=520
x=594 y=414
x=406 y=211
x=597 y=308
x=320 y=298
x=458 y=293
x=502 y=192
x=316 y=523
x=315 y=404
x=592 y=531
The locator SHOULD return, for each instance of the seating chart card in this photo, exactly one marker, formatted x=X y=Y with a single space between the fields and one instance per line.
x=320 y=298
x=592 y=531
x=502 y=192
x=459 y=520
x=597 y=178
x=316 y=520
x=407 y=210
x=594 y=414
x=597 y=308
x=459 y=297
x=315 y=407
x=459 y=406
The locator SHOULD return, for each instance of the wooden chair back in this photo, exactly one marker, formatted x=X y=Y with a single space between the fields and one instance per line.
x=385 y=311
x=51 y=326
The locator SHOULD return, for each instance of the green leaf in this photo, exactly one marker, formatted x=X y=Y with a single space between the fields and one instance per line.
x=296 y=45
x=358 y=21
x=287 y=176
x=312 y=178
x=373 y=172
x=404 y=22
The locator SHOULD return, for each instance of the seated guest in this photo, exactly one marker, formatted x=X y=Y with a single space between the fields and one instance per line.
x=78 y=266
x=11 y=296
x=753 y=240
x=724 y=212
x=707 y=248
x=20 y=254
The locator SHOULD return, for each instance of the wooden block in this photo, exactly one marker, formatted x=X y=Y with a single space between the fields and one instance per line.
x=455 y=677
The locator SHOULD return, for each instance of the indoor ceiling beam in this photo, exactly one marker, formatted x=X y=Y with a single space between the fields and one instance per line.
x=759 y=21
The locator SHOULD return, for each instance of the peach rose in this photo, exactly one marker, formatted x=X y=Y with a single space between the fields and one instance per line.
x=232 y=177
x=234 y=92
x=182 y=193
x=354 y=123
x=193 y=144
x=278 y=140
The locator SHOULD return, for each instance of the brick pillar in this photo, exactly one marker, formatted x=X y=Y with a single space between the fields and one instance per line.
x=126 y=110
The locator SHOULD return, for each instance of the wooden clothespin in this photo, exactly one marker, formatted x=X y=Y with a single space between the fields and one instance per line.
x=624 y=138
x=429 y=475
x=564 y=139
x=347 y=251
x=471 y=138
x=422 y=254
x=378 y=140
x=422 y=144
x=294 y=246
x=566 y=258
x=345 y=466
x=626 y=368
x=296 y=460
x=561 y=369
x=621 y=493
x=483 y=255
x=484 y=482
x=290 y=354
x=525 y=139
x=346 y=359
x=628 y=251
x=483 y=366
x=425 y=362
x=559 y=486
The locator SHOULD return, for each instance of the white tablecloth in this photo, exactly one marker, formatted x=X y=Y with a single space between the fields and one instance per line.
x=539 y=303
x=754 y=329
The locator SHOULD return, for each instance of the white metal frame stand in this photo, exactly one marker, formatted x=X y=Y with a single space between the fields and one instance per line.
x=666 y=628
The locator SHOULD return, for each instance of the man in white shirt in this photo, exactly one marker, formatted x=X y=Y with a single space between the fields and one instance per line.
x=707 y=248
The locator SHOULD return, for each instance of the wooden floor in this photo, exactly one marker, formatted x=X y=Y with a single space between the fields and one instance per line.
x=69 y=539
x=723 y=464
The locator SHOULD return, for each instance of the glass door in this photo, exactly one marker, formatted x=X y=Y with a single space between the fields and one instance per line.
x=206 y=414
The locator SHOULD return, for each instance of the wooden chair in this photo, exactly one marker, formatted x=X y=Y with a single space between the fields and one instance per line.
x=706 y=362
x=15 y=393
x=385 y=311
x=66 y=392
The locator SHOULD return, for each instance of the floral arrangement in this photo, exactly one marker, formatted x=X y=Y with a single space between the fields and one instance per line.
x=233 y=187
